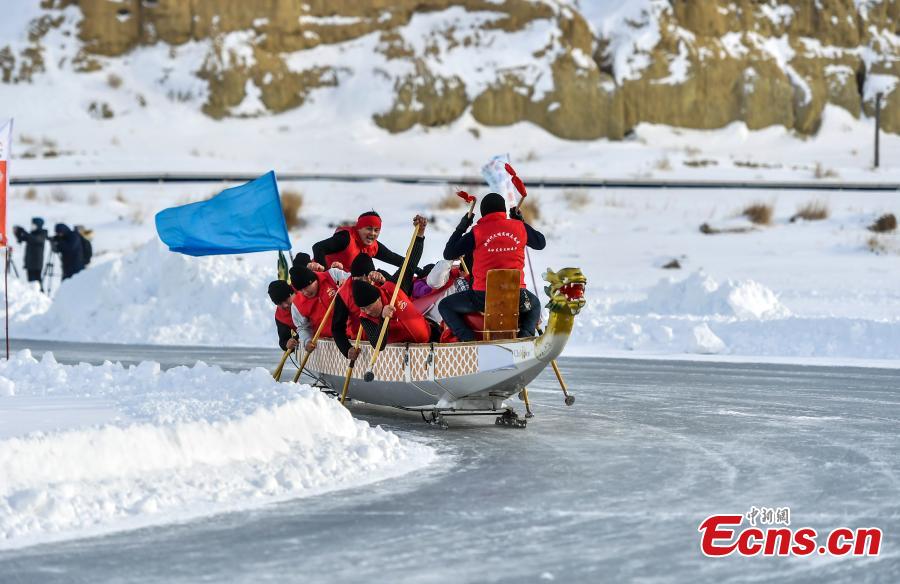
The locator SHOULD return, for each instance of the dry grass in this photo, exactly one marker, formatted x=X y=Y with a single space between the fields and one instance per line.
x=30 y=194
x=93 y=200
x=121 y=198
x=812 y=211
x=114 y=81
x=531 y=211
x=449 y=201
x=822 y=172
x=291 y=204
x=759 y=213
x=576 y=198
x=884 y=224
x=672 y=265
x=700 y=163
x=137 y=216
x=663 y=164
x=59 y=195
x=876 y=245
x=614 y=201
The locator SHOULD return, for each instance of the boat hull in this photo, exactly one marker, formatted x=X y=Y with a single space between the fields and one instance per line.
x=459 y=376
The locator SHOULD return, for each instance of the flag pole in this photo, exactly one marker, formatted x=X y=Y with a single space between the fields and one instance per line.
x=6 y=297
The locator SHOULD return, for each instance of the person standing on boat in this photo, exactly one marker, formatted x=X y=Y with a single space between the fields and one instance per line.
x=339 y=250
x=495 y=242
x=282 y=295
x=315 y=291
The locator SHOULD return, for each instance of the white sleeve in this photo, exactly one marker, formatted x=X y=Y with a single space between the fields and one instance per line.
x=339 y=276
x=304 y=332
x=439 y=274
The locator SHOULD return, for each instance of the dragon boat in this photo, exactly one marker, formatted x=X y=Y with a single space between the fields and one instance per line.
x=470 y=378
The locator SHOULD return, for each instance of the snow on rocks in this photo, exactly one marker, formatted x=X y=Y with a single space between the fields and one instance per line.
x=144 y=446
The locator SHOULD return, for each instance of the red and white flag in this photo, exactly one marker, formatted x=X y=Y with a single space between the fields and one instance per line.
x=5 y=154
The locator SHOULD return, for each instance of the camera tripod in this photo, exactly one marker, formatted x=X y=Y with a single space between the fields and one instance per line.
x=47 y=276
x=11 y=264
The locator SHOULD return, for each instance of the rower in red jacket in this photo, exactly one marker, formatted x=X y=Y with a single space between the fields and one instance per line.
x=282 y=296
x=339 y=250
x=406 y=325
x=315 y=291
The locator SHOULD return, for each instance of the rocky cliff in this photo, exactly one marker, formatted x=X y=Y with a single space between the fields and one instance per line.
x=581 y=70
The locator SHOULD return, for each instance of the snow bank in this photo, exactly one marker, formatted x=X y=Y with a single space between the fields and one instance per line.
x=158 y=297
x=173 y=444
x=25 y=301
x=700 y=315
x=699 y=294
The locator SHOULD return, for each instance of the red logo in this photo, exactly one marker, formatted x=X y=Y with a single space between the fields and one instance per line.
x=721 y=536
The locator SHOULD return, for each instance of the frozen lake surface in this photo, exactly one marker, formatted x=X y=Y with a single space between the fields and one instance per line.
x=612 y=489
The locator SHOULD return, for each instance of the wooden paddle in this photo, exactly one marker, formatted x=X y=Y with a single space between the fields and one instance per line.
x=369 y=376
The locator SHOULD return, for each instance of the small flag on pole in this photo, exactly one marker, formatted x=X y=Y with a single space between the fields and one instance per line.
x=243 y=219
x=499 y=181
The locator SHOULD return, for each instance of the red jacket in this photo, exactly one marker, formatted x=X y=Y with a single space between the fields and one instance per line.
x=315 y=308
x=408 y=325
x=284 y=317
x=499 y=245
x=353 y=249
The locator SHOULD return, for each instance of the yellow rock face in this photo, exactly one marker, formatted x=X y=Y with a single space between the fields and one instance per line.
x=715 y=61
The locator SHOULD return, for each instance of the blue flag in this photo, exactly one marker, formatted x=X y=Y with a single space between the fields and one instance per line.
x=242 y=219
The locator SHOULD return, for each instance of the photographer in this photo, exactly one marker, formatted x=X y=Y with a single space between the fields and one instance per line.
x=34 y=248
x=68 y=244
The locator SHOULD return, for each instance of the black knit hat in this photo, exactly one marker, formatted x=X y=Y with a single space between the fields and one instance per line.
x=364 y=293
x=279 y=291
x=492 y=203
x=362 y=265
x=301 y=277
x=301 y=259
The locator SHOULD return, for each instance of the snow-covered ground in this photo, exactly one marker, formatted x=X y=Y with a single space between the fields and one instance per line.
x=90 y=449
x=788 y=291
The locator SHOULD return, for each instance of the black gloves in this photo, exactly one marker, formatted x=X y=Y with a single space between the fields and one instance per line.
x=465 y=222
x=516 y=213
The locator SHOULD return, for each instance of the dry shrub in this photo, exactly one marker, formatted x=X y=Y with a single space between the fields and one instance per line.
x=759 y=213
x=136 y=216
x=59 y=195
x=812 y=211
x=613 y=201
x=531 y=211
x=884 y=224
x=876 y=246
x=449 y=201
x=700 y=163
x=576 y=198
x=673 y=265
x=93 y=200
x=121 y=198
x=663 y=164
x=31 y=194
x=822 y=172
x=291 y=204
x=708 y=229
x=114 y=81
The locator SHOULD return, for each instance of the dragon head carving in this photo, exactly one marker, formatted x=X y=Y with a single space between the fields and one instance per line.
x=566 y=290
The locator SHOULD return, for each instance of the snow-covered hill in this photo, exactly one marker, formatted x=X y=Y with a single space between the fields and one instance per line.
x=440 y=85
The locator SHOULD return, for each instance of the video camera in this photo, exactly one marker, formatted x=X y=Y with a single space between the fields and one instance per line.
x=54 y=243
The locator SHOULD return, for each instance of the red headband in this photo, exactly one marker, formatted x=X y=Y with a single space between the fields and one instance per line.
x=368 y=221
